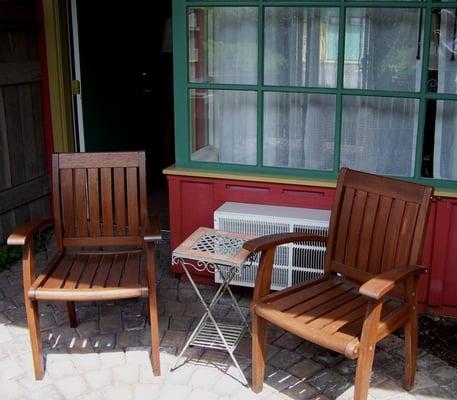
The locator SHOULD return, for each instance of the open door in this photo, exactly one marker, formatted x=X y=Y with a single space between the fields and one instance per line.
x=119 y=72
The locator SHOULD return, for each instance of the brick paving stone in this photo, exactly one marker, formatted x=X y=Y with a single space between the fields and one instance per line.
x=174 y=338
x=305 y=369
x=87 y=313
x=90 y=396
x=100 y=378
x=279 y=380
x=138 y=355
x=200 y=394
x=432 y=393
x=109 y=310
x=134 y=323
x=204 y=378
x=72 y=386
x=289 y=341
x=329 y=383
x=285 y=359
x=164 y=295
x=146 y=391
x=4 y=320
x=110 y=324
x=194 y=310
x=103 y=342
x=186 y=295
x=226 y=385
x=301 y=391
x=170 y=391
x=128 y=339
x=112 y=358
x=390 y=342
x=123 y=392
x=180 y=323
x=126 y=374
x=9 y=369
x=327 y=357
x=88 y=328
x=12 y=390
x=86 y=362
x=59 y=366
x=175 y=308
x=48 y=392
x=385 y=389
x=443 y=374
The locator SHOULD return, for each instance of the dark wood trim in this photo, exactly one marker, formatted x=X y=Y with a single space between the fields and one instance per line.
x=25 y=193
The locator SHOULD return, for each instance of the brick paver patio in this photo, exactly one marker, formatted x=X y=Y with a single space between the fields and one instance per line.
x=107 y=356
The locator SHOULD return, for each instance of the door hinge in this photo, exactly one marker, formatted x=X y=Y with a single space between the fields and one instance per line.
x=75 y=87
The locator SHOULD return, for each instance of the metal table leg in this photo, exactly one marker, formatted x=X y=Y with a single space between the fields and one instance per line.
x=203 y=334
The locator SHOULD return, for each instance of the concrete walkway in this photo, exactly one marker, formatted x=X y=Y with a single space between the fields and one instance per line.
x=107 y=356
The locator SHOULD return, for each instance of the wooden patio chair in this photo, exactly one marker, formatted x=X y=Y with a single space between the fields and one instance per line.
x=105 y=241
x=370 y=283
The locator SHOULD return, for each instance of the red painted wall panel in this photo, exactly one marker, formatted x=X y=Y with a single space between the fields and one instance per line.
x=450 y=271
x=193 y=201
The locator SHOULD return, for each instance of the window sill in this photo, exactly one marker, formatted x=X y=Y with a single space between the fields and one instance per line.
x=197 y=173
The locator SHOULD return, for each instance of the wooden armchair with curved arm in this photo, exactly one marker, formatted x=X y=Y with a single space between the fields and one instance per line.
x=105 y=241
x=370 y=282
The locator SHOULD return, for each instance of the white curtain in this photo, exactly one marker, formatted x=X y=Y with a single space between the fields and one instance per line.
x=445 y=150
x=379 y=133
x=298 y=128
x=232 y=58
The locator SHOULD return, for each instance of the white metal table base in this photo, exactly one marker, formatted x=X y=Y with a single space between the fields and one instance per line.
x=208 y=333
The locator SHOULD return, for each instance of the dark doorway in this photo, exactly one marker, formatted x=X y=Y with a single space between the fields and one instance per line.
x=126 y=81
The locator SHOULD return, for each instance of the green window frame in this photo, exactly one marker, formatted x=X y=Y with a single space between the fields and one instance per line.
x=183 y=85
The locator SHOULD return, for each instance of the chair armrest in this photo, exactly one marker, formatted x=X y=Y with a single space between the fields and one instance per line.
x=267 y=242
x=151 y=229
x=24 y=232
x=383 y=283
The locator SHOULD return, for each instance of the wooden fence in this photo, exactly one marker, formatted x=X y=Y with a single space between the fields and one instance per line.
x=24 y=183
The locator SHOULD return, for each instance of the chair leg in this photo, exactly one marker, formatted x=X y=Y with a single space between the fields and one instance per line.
x=154 y=323
x=259 y=347
x=410 y=352
x=33 y=322
x=366 y=350
x=72 y=314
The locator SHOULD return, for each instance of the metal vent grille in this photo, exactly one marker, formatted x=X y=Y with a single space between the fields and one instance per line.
x=294 y=262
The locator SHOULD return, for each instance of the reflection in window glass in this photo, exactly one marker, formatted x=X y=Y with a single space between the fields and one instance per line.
x=299 y=130
x=223 y=45
x=223 y=126
x=443 y=52
x=301 y=46
x=379 y=134
x=383 y=49
x=443 y=149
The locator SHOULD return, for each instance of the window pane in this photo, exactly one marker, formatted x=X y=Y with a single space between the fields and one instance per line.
x=301 y=46
x=440 y=140
x=443 y=52
x=299 y=130
x=223 y=45
x=383 y=49
x=379 y=134
x=223 y=126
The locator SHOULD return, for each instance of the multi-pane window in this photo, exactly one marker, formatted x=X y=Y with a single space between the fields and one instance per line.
x=303 y=89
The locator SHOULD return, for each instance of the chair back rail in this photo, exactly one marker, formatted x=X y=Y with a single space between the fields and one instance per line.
x=99 y=198
x=376 y=224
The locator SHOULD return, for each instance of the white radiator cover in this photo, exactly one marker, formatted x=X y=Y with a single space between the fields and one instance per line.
x=294 y=262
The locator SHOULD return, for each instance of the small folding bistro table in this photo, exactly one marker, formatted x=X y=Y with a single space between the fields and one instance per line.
x=219 y=252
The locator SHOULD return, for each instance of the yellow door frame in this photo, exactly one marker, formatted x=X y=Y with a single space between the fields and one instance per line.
x=55 y=29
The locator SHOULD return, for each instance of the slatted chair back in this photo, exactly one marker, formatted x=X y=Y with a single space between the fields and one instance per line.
x=99 y=198
x=376 y=224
